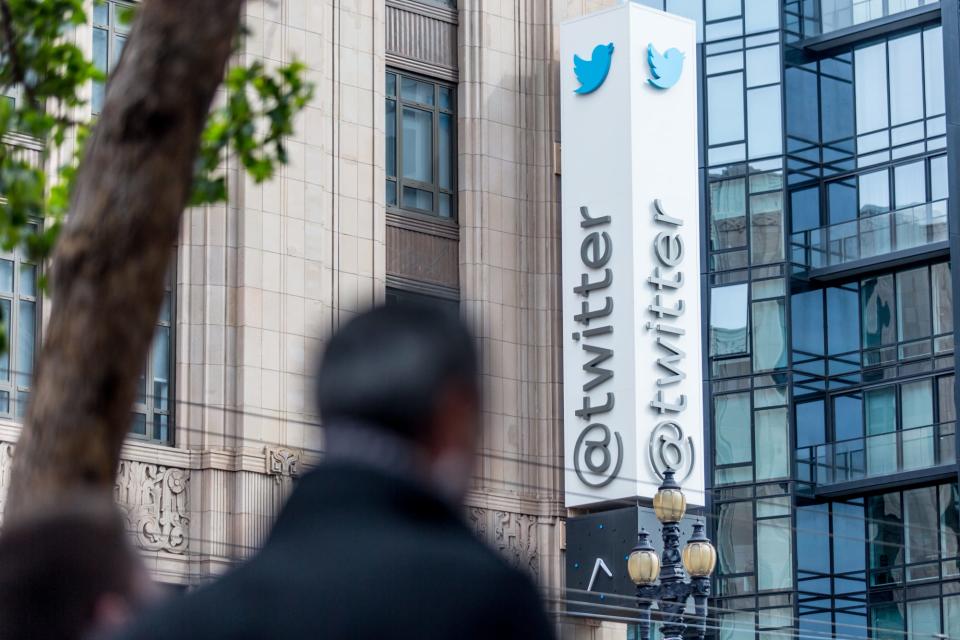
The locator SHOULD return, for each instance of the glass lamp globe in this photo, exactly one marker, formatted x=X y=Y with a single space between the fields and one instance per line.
x=669 y=504
x=699 y=556
x=643 y=565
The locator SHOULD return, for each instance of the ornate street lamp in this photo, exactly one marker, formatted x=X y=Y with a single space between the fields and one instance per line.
x=698 y=557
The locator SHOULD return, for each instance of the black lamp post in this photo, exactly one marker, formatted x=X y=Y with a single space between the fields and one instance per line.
x=670 y=594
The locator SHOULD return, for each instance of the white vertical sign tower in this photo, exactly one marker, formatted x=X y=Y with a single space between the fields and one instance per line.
x=633 y=378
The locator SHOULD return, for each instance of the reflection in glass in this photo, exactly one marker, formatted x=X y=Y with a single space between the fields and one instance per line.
x=735 y=526
x=913 y=304
x=774 y=554
x=874 y=192
x=917 y=416
x=728 y=214
x=871 y=87
x=765 y=134
x=416 y=91
x=920 y=511
x=878 y=305
x=910 y=184
x=769 y=335
x=881 y=424
x=26 y=340
x=885 y=535
x=942 y=298
x=766 y=228
x=939 y=186
x=933 y=71
x=725 y=108
x=773 y=454
x=732 y=428
x=728 y=320
x=906 y=85
x=949 y=521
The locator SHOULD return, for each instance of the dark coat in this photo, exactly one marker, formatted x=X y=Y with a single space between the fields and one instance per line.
x=358 y=554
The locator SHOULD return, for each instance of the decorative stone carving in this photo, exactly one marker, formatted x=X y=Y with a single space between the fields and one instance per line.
x=154 y=501
x=512 y=534
x=282 y=462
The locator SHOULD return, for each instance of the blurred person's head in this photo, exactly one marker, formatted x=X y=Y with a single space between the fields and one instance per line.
x=69 y=572
x=409 y=371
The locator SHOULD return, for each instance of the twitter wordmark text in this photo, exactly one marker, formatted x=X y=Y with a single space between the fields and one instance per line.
x=596 y=249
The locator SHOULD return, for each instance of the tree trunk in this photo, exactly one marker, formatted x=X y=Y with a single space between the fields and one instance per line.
x=109 y=265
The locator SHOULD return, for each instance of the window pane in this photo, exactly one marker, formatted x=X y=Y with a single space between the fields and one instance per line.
x=733 y=428
x=728 y=320
x=939 y=187
x=876 y=295
x=446 y=205
x=161 y=427
x=887 y=621
x=718 y=9
x=118 y=44
x=766 y=228
x=807 y=313
x=906 y=84
x=871 y=87
x=847 y=537
x=913 y=304
x=6 y=276
x=416 y=91
x=933 y=70
x=811 y=429
x=874 y=192
x=813 y=540
x=417 y=145
x=917 y=404
x=910 y=184
x=5 y=356
x=391 y=146
x=949 y=522
x=764 y=126
x=391 y=84
x=773 y=455
x=763 y=64
x=881 y=423
x=920 y=506
x=446 y=98
x=123 y=17
x=447 y=161
x=843 y=335
x=774 y=554
x=100 y=62
x=139 y=425
x=735 y=537
x=391 y=194
x=942 y=298
x=28 y=280
x=417 y=199
x=769 y=335
x=26 y=341
x=885 y=532
x=728 y=214
x=805 y=209
x=951 y=616
x=161 y=369
x=841 y=201
x=725 y=108
x=101 y=13
x=761 y=15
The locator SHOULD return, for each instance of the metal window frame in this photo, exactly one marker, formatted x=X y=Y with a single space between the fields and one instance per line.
x=436 y=111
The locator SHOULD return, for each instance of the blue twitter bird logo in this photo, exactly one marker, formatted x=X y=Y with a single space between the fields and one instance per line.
x=665 y=68
x=591 y=73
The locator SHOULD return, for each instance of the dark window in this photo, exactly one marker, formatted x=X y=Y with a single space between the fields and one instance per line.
x=421 y=162
x=402 y=296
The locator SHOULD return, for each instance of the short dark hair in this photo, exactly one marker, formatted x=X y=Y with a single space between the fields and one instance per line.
x=56 y=565
x=387 y=367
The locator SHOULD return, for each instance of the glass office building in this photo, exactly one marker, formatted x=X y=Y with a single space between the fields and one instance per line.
x=827 y=150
